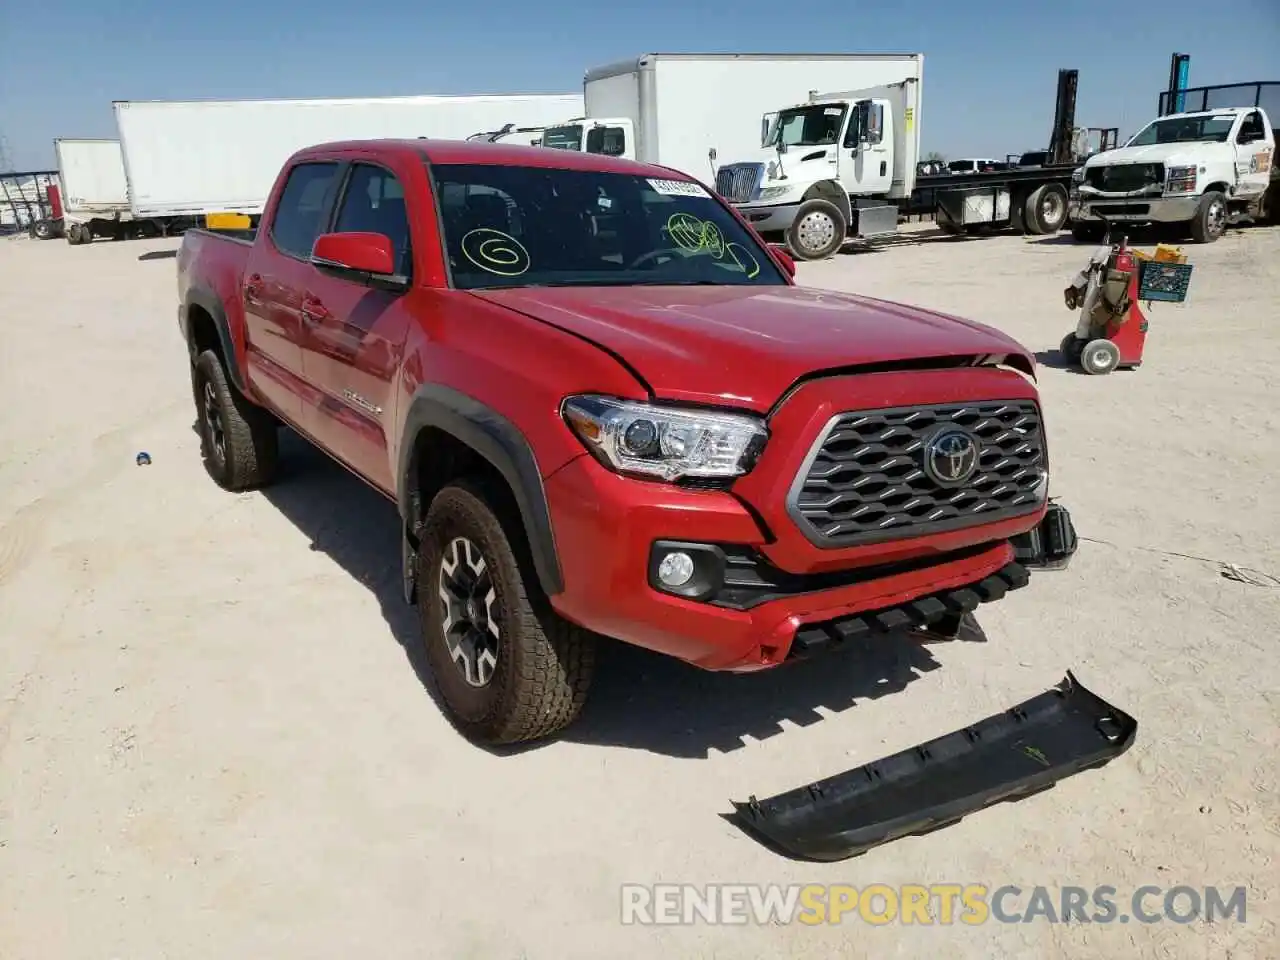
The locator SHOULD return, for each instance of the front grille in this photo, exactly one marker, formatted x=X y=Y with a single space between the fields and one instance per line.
x=1125 y=177
x=737 y=182
x=867 y=479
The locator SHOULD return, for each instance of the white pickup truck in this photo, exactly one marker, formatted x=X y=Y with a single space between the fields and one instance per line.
x=1206 y=169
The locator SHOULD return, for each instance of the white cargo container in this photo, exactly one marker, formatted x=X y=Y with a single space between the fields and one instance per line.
x=95 y=193
x=674 y=109
x=188 y=158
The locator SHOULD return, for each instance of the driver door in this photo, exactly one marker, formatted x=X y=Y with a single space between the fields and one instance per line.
x=1254 y=155
x=866 y=150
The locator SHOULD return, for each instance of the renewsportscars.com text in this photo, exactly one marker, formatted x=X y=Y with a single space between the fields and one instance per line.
x=933 y=904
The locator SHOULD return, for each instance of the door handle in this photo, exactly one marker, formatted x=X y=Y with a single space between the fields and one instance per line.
x=313 y=311
x=253 y=289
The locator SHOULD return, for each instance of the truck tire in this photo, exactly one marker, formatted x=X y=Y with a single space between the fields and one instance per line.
x=508 y=668
x=818 y=230
x=43 y=230
x=1210 y=221
x=238 y=440
x=1045 y=210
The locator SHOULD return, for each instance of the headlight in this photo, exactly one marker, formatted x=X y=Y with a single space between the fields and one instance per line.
x=1077 y=175
x=772 y=193
x=1180 y=180
x=665 y=442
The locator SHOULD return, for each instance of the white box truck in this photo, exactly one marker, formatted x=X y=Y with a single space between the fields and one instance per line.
x=190 y=158
x=95 y=192
x=685 y=110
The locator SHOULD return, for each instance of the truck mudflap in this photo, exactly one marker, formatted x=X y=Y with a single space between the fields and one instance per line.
x=1009 y=756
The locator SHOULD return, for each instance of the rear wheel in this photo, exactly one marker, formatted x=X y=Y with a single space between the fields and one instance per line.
x=818 y=230
x=1071 y=348
x=238 y=440
x=1210 y=221
x=1045 y=210
x=508 y=668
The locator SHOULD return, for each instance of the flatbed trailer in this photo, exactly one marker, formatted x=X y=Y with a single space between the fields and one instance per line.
x=1032 y=200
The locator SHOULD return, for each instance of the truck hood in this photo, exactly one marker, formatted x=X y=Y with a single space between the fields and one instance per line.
x=1170 y=154
x=745 y=346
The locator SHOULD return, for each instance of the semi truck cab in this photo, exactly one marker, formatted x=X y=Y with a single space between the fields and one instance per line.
x=827 y=168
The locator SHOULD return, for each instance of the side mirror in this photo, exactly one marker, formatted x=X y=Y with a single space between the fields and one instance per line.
x=783 y=256
x=362 y=257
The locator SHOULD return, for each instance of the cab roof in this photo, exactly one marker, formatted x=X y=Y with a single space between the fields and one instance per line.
x=498 y=154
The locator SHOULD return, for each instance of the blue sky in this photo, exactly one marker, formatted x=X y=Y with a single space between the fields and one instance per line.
x=990 y=65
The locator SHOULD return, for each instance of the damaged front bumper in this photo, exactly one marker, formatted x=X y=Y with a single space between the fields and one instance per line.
x=1050 y=545
x=1011 y=755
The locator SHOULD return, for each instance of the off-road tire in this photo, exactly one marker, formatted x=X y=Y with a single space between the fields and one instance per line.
x=812 y=215
x=544 y=663
x=1210 y=221
x=250 y=440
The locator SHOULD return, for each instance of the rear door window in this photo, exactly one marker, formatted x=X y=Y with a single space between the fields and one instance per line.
x=303 y=208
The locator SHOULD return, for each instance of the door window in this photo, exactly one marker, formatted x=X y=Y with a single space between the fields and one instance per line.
x=609 y=141
x=1251 y=130
x=304 y=204
x=374 y=203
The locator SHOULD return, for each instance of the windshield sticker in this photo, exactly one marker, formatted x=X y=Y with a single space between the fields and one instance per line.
x=678 y=188
x=495 y=252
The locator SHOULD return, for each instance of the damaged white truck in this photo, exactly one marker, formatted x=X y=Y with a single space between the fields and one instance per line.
x=1205 y=169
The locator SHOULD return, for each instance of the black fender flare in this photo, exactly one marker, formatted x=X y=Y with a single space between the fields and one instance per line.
x=210 y=303
x=497 y=440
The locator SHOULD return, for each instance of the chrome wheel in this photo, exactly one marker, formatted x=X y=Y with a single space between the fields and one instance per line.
x=815 y=231
x=217 y=433
x=1216 y=217
x=470 y=620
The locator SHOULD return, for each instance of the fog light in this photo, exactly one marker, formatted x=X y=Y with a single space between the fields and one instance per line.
x=676 y=569
x=681 y=568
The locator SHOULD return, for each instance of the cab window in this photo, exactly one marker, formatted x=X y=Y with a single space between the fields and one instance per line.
x=1251 y=130
x=304 y=203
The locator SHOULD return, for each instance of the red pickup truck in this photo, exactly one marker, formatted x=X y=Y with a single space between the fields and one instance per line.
x=604 y=408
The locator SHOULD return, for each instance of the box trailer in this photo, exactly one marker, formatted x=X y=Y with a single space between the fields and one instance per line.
x=191 y=158
x=95 y=192
x=685 y=110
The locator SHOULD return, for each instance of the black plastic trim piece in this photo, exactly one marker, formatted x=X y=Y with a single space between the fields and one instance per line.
x=815 y=638
x=501 y=443
x=1051 y=544
x=210 y=303
x=1008 y=756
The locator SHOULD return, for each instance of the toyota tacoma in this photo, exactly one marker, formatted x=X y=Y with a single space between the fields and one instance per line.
x=603 y=407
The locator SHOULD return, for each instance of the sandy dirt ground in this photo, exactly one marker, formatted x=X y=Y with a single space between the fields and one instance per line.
x=213 y=743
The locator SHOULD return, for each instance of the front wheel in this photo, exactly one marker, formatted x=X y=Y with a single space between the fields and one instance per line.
x=1071 y=348
x=1210 y=221
x=818 y=230
x=508 y=668
x=43 y=230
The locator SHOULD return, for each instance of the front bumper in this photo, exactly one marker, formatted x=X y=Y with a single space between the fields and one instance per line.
x=759 y=615
x=1153 y=209
x=768 y=217
x=1011 y=755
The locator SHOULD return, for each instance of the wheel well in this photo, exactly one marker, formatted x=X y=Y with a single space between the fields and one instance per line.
x=831 y=191
x=202 y=334
x=440 y=458
x=1220 y=187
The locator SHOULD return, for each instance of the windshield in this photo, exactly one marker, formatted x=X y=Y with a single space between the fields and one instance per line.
x=563 y=138
x=815 y=126
x=1185 y=130
x=508 y=226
